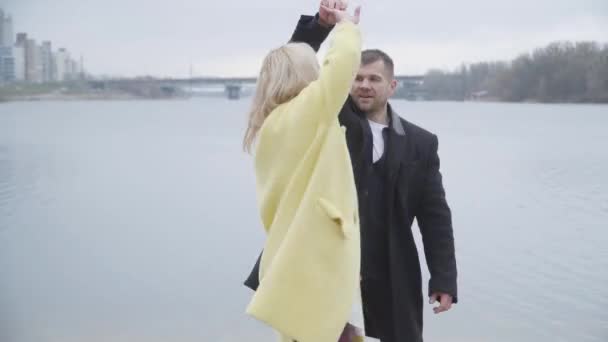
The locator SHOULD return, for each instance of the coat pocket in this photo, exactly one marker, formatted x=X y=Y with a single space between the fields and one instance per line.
x=337 y=217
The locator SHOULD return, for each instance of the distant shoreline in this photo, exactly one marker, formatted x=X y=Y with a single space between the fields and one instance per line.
x=130 y=97
x=79 y=97
x=80 y=91
x=83 y=91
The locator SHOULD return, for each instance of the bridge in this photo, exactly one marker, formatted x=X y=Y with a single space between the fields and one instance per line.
x=231 y=87
x=410 y=87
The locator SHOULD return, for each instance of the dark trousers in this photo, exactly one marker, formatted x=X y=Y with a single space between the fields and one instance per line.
x=377 y=309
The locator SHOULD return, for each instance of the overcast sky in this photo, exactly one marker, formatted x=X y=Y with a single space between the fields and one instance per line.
x=230 y=37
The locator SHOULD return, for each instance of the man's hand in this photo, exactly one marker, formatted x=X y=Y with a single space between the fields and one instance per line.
x=327 y=17
x=341 y=15
x=445 y=302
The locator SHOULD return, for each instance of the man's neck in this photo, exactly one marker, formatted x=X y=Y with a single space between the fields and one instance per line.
x=379 y=116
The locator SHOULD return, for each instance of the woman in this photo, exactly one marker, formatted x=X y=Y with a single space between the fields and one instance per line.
x=309 y=272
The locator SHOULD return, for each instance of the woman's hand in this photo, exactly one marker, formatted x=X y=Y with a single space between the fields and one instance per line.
x=342 y=15
x=326 y=18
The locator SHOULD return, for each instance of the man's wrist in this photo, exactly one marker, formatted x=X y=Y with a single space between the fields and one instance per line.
x=322 y=22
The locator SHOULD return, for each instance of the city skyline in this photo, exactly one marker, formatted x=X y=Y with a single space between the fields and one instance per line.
x=23 y=59
x=140 y=38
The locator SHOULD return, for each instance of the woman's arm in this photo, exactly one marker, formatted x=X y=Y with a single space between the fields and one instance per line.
x=324 y=98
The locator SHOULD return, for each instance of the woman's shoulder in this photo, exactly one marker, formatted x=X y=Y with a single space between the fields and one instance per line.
x=276 y=118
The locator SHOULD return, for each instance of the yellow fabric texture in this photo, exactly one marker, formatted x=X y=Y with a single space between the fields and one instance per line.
x=308 y=202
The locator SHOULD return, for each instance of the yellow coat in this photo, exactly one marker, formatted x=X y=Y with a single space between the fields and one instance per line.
x=306 y=192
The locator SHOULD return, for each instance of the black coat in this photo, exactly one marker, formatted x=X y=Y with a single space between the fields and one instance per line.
x=416 y=191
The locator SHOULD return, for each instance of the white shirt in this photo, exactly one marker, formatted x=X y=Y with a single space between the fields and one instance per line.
x=378 y=146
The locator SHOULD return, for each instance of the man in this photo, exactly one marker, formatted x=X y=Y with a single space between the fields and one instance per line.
x=396 y=168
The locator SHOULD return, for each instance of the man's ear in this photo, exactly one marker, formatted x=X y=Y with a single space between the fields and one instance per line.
x=393 y=86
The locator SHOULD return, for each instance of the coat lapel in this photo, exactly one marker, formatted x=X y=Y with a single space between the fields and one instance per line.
x=400 y=149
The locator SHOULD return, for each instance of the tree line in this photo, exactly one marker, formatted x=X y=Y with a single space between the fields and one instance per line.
x=560 y=72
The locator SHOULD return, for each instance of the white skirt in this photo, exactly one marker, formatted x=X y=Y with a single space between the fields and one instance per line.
x=356 y=314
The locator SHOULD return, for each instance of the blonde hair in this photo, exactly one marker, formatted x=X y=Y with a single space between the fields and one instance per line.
x=285 y=72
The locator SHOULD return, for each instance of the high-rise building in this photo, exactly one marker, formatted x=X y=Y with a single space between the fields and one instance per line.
x=33 y=62
x=81 y=71
x=61 y=64
x=7 y=64
x=54 y=77
x=7 y=32
x=6 y=29
x=19 y=56
x=21 y=43
x=1 y=27
x=21 y=39
x=46 y=59
x=73 y=69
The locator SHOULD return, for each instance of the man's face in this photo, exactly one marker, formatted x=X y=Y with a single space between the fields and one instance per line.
x=373 y=87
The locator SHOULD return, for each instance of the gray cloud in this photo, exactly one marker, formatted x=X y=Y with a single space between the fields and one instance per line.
x=138 y=37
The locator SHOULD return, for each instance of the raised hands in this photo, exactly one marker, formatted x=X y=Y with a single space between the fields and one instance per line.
x=332 y=12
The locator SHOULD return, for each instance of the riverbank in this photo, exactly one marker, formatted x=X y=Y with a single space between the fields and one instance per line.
x=71 y=97
x=83 y=91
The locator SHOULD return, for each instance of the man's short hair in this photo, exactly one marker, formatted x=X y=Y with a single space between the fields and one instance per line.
x=373 y=55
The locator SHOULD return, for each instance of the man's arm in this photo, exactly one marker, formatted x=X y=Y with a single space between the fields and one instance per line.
x=313 y=30
x=435 y=222
x=309 y=30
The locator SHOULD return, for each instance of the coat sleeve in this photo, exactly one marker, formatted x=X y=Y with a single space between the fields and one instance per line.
x=309 y=31
x=435 y=222
x=253 y=281
x=322 y=100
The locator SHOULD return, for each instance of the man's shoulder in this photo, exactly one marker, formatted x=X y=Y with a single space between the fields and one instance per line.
x=418 y=133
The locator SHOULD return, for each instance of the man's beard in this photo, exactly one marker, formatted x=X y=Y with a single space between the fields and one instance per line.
x=368 y=105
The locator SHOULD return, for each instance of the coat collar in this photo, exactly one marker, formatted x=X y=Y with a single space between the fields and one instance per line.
x=395 y=121
x=401 y=148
